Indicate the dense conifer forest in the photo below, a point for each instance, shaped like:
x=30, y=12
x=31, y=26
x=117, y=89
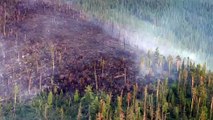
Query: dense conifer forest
x=73, y=70
x=183, y=26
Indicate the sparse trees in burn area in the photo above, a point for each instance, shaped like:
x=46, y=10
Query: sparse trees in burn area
x=108, y=87
x=160, y=100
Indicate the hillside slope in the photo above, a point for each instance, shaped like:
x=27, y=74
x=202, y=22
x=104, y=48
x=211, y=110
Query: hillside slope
x=56, y=65
x=46, y=44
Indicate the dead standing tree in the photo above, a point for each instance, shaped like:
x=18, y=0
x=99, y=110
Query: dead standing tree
x=96, y=77
x=5, y=19
x=52, y=51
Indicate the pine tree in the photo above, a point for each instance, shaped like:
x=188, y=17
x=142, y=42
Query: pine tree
x=176, y=112
x=179, y=80
x=170, y=62
x=135, y=91
x=137, y=110
x=76, y=96
x=50, y=98
x=178, y=62
x=120, y=114
x=142, y=63
x=62, y=113
x=89, y=95
x=203, y=115
x=96, y=77
x=149, y=59
x=16, y=92
x=157, y=56
x=90, y=117
x=79, y=116
x=99, y=116
x=129, y=97
x=144, y=106
x=103, y=110
x=130, y=113
x=108, y=106
x=211, y=109
x=94, y=106
x=157, y=113
x=194, y=93
x=151, y=107
x=185, y=76
x=103, y=62
x=46, y=111
x=209, y=80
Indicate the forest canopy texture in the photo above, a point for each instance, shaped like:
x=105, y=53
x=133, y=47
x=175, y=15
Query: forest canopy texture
x=57, y=63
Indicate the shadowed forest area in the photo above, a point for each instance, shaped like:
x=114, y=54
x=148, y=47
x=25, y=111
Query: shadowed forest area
x=58, y=65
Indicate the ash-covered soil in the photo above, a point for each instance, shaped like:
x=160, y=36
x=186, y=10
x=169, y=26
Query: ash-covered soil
x=52, y=46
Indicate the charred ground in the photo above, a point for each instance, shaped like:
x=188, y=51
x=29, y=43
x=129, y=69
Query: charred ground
x=49, y=45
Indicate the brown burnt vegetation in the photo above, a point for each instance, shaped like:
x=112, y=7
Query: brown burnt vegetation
x=45, y=47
